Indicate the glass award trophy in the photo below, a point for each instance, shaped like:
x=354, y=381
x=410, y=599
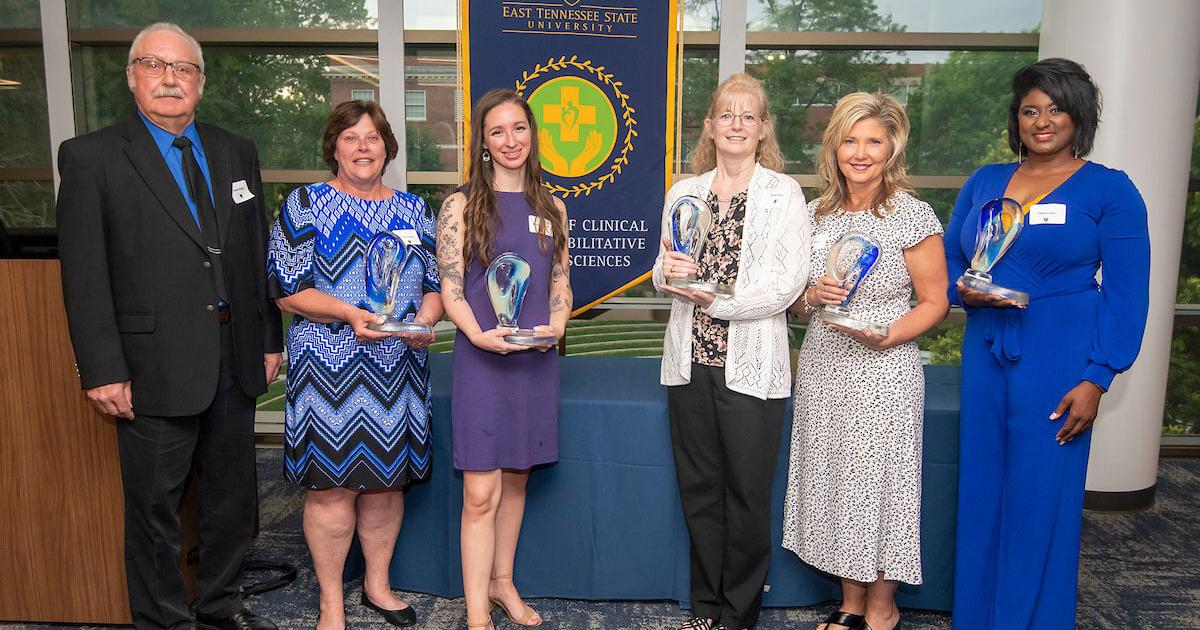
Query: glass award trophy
x=507, y=281
x=850, y=260
x=690, y=219
x=385, y=260
x=1000, y=223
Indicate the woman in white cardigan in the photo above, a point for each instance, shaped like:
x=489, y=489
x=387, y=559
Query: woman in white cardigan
x=725, y=358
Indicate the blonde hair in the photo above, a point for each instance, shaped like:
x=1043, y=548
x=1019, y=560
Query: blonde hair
x=851, y=109
x=704, y=154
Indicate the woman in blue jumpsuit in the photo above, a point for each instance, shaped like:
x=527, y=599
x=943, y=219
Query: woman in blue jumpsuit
x=1032, y=377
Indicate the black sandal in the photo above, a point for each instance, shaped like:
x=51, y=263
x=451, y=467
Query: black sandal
x=850, y=621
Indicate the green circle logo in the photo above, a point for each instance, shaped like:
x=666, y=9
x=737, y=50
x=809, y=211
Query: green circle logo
x=577, y=126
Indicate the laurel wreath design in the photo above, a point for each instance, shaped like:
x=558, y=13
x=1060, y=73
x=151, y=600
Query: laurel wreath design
x=627, y=112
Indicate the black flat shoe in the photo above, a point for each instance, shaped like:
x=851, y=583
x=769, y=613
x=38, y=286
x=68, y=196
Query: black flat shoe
x=846, y=620
x=402, y=618
x=240, y=620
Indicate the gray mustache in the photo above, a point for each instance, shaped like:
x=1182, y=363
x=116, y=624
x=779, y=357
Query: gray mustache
x=168, y=91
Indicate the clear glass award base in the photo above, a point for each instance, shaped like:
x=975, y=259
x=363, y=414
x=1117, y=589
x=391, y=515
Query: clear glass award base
x=842, y=317
x=982, y=281
x=693, y=284
x=393, y=325
x=529, y=337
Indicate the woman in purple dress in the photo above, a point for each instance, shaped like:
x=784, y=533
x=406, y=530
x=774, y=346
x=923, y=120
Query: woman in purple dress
x=504, y=399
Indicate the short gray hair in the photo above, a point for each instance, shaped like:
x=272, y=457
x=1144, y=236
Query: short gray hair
x=167, y=26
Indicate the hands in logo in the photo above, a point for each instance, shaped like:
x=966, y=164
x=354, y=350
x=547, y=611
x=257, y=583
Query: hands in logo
x=558, y=165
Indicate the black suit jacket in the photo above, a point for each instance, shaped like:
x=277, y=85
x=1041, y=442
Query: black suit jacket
x=137, y=282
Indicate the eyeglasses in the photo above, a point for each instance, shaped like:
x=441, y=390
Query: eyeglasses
x=749, y=120
x=154, y=67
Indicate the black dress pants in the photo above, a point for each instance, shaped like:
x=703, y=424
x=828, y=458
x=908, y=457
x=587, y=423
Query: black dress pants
x=156, y=456
x=726, y=447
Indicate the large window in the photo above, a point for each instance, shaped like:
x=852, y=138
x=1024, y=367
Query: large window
x=278, y=99
x=929, y=16
x=360, y=14
x=957, y=100
x=432, y=108
x=26, y=190
x=1182, y=413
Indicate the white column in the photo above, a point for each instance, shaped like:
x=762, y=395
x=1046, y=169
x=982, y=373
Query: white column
x=391, y=85
x=1145, y=56
x=56, y=53
x=732, y=54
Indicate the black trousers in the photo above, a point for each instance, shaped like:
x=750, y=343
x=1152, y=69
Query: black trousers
x=726, y=446
x=156, y=456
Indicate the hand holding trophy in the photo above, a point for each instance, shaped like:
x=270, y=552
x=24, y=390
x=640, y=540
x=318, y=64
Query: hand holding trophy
x=1000, y=223
x=386, y=259
x=507, y=281
x=850, y=260
x=690, y=220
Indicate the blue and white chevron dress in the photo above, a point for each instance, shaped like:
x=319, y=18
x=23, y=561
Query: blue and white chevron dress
x=357, y=413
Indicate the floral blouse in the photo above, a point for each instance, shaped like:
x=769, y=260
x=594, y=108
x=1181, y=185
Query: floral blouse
x=718, y=263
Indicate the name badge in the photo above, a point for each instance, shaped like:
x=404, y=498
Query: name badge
x=1048, y=214
x=545, y=227
x=241, y=192
x=407, y=236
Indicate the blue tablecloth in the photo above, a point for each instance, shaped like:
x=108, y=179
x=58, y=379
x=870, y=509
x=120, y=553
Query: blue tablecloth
x=605, y=523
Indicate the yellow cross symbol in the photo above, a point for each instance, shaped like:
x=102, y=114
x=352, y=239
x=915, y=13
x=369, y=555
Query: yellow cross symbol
x=569, y=114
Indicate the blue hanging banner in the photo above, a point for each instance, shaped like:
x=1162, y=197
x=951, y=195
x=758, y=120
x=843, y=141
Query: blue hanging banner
x=600, y=76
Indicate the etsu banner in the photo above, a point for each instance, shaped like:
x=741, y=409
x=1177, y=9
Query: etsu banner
x=600, y=77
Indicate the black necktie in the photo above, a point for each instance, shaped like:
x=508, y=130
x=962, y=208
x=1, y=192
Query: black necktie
x=204, y=210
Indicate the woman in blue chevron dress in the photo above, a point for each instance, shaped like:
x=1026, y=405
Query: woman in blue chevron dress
x=358, y=401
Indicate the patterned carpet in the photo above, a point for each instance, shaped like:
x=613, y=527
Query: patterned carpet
x=1139, y=570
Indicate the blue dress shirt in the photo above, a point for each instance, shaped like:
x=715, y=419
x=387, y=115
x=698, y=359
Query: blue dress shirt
x=174, y=159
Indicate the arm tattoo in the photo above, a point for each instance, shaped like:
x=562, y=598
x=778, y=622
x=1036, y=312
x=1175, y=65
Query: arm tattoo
x=558, y=272
x=449, y=253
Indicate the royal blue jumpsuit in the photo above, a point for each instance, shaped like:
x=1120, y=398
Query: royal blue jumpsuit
x=1020, y=494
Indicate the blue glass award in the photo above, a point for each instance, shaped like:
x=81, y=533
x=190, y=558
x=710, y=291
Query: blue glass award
x=1000, y=223
x=850, y=260
x=507, y=281
x=386, y=259
x=690, y=219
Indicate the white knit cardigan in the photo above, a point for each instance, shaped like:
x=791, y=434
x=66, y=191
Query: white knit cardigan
x=772, y=271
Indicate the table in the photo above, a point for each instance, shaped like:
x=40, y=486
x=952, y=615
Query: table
x=604, y=523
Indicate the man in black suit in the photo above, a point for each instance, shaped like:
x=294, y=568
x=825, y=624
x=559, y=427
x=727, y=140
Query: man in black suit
x=162, y=236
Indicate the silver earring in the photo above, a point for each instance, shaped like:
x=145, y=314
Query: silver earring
x=1020, y=154
x=1076, y=153
x=487, y=156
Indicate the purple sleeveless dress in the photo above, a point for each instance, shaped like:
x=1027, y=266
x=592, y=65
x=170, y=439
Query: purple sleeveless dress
x=504, y=408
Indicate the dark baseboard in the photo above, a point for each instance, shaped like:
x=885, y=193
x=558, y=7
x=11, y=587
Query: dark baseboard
x=1179, y=450
x=1131, y=501
x=268, y=439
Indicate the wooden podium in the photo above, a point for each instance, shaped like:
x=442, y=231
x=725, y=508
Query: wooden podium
x=61, y=550
x=60, y=481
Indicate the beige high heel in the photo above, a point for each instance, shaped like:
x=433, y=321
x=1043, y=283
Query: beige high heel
x=526, y=619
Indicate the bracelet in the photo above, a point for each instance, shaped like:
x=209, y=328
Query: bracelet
x=808, y=306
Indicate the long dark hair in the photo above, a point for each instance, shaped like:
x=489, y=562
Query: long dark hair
x=481, y=214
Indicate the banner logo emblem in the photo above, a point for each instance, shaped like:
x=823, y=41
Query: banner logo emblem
x=581, y=122
x=577, y=126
